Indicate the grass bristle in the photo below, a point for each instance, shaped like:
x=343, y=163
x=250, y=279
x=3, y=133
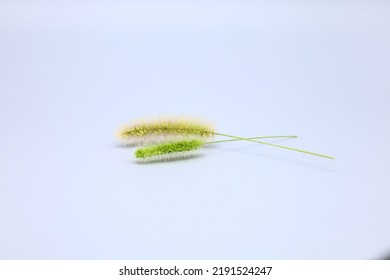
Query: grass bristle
x=169, y=150
x=165, y=129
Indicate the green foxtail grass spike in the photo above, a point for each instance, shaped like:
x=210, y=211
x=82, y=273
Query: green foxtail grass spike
x=169, y=151
x=179, y=149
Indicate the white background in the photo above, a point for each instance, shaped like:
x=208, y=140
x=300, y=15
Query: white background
x=110, y=269
x=73, y=72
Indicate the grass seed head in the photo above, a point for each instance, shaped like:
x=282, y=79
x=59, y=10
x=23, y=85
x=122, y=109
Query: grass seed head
x=169, y=151
x=165, y=129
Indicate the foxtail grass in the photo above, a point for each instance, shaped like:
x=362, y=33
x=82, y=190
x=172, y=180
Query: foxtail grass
x=174, y=137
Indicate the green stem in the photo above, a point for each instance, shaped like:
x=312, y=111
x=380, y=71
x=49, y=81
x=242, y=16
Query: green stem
x=259, y=137
x=274, y=145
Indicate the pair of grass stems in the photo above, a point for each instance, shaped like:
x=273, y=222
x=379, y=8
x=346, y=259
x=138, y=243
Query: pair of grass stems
x=177, y=138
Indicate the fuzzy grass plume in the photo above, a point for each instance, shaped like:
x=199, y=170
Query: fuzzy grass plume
x=165, y=129
x=179, y=149
x=169, y=150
